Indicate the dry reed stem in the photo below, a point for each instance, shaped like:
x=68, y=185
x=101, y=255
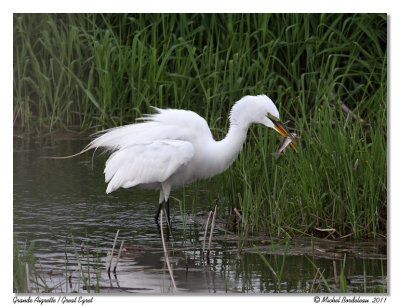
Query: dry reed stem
x=238, y=214
x=314, y=280
x=211, y=232
x=166, y=254
x=335, y=273
x=205, y=232
x=349, y=112
x=331, y=231
x=119, y=255
x=112, y=252
x=27, y=282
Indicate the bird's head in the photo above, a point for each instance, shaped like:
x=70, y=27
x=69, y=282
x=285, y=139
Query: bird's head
x=260, y=109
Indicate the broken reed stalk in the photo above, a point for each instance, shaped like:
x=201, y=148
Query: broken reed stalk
x=238, y=214
x=166, y=253
x=205, y=233
x=28, y=287
x=348, y=111
x=211, y=233
x=335, y=273
x=119, y=255
x=112, y=252
x=351, y=113
x=314, y=280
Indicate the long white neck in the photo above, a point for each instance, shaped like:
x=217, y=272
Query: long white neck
x=248, y=110
x=225, y=151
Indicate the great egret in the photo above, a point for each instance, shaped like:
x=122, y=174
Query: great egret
x=175, y=147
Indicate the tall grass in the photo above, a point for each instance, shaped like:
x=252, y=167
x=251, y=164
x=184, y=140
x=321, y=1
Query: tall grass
x=22, y=259
x=93, y=71
x=26, y=278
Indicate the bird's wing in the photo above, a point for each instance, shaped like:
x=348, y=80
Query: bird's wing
x=170, y=124
x=147, y=162
x=127, y=135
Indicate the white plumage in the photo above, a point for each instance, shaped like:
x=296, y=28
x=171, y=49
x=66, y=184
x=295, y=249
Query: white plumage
x=143, y=163
x=175, y=147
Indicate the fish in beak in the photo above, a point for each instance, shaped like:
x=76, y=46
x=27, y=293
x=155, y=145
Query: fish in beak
x=283, y=130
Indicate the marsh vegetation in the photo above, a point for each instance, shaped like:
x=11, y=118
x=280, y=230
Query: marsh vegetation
x=327, y=74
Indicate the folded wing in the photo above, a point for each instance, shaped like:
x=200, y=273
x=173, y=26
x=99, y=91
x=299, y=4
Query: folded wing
x=146, y=162
x=150, y=151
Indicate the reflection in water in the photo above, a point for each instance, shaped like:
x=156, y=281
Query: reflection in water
x=60, y=203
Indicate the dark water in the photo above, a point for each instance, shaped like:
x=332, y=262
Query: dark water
x=58, y=204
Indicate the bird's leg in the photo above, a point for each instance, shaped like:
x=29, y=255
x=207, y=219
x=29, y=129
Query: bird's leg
x=158, y=212
x=167, y=207
x=164, y=193
x=160, y=203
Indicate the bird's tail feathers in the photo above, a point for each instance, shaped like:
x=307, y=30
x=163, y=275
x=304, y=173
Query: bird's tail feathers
x=89, y=147
x=85, y=149
x=118, y=137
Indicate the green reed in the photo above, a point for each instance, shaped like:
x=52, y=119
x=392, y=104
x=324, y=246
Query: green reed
x=21, y=259
x=26, y=277
x=92, y=71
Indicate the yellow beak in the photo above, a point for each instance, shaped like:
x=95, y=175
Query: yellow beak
x=282, y=129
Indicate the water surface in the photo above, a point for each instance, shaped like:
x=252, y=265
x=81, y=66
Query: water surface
x=60, y=204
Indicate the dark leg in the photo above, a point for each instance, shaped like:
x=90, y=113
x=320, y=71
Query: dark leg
x=169, y=220
x=158, y=212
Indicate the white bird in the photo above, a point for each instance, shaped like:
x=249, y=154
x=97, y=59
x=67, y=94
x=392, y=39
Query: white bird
x=175, y=147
